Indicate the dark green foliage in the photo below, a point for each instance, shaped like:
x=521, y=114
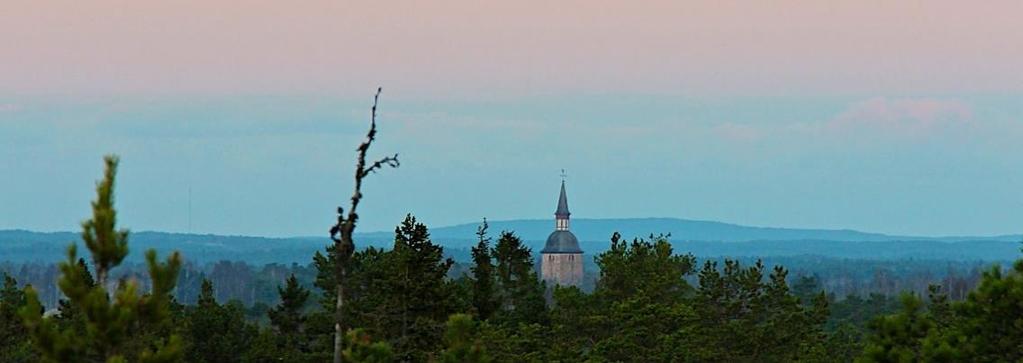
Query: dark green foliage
x=899, y=337
x=107, y=244
x=520, y=291
x=519, y=343
x=287, y=340
x=649, y=269
x=746, y=316
x=69, y=316
x=844, y=343
x=986, y=327
x=416, y=290
x=990, y=325
x=639, y=307
x=858, y=312
x=402, y=296
x=287, y=317
x=265, y=349
x=215, y=332
x=462, y=342
x=484, y=299
x=15, y=347
x=360, y=348
x=326, y=281
x=118, y=327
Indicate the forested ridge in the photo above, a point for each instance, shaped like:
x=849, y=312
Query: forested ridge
x=405, y=306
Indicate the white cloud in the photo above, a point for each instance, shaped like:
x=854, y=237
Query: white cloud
x=902, y=117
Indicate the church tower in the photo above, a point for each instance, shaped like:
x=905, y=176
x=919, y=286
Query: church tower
x=562, y=259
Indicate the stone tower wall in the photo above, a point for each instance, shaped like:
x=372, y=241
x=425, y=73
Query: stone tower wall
x=562, y=269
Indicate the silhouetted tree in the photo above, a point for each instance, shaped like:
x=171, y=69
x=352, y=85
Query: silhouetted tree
x=484, y=300
x=520, y=290
x=341, y=232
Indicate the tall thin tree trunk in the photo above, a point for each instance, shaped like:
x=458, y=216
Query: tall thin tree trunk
x=338, y=333
x=341, y=233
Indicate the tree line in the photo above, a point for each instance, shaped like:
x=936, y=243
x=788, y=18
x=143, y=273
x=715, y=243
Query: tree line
x=255, y=286
x=404, y=306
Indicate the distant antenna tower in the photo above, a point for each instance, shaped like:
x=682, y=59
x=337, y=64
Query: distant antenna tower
x=189, y=209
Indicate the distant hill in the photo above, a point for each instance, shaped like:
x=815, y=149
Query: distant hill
x=703, y=238
x=680, y=230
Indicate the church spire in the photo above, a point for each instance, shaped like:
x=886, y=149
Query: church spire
x=561, y=215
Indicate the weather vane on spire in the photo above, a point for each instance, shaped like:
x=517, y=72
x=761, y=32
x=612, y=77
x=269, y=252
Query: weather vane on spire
x=563, y=175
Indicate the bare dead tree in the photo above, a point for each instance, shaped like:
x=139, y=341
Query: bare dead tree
x=341, y=233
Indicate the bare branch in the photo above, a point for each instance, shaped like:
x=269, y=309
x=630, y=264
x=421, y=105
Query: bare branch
x=391, y=161
x=341, y=233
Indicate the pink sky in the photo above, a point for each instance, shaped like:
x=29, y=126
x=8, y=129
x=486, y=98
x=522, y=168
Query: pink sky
x=458, y=49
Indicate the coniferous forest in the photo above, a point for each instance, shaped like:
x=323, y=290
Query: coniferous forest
x=650, y=303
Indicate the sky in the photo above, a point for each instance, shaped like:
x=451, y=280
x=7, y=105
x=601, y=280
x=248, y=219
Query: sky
x=242, y=117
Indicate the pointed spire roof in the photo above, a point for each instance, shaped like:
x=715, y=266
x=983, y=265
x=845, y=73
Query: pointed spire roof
x=562, y=203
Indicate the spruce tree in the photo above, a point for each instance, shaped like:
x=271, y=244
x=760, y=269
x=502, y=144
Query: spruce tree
x=287, y=317
x=288, y=321
x=111, y=318
x=421, y=291
x=521, y=292
x=483, y=299
x=216, y=333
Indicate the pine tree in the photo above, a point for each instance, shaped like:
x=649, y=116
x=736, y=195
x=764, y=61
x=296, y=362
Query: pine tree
x=287, y=317
x=463, y=344
x=111, y=321
x=207, y=296
x=644, y=267
x=360, y=348
x=989, y=323
x=637, y=309
x=216, y=333
x=289, y=320
x=483, y=299
x=15, y=346
x=68, y=314
x=421, y=291
x=521, y=292
x=899, y=337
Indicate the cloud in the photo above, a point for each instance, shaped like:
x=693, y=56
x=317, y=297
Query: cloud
x=730, y=131
x=911, y=118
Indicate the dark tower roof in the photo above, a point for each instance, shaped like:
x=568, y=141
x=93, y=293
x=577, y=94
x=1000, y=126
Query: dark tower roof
x=562, y=240
x=562, y=211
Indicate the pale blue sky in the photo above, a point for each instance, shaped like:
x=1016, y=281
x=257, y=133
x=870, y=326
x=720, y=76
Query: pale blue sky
x=278, y=165
x=886, y=116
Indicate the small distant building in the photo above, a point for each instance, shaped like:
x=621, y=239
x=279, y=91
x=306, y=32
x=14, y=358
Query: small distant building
x=562, y=259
